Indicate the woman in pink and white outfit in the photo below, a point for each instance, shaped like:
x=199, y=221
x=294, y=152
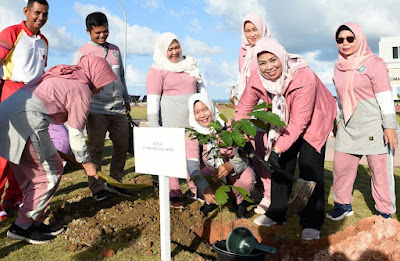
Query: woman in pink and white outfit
x=171, y=80
x=366, y=123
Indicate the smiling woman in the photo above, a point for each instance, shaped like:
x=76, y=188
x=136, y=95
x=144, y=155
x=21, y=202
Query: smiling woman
x=171, y=80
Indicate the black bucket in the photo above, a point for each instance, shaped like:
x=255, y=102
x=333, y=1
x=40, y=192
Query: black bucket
x=224, y=255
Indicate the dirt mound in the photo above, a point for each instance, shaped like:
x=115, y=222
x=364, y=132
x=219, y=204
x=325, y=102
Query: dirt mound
x=135, y=223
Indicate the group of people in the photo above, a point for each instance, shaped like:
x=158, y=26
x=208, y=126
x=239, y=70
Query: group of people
x=92, y=94
x=363, y=115
x=36, y=104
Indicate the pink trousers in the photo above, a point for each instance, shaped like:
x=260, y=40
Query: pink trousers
x=382, y=182
x=38, y=181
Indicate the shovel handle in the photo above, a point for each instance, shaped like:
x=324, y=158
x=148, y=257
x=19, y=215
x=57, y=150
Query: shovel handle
x=283, y=172
x=264, y=248
x=70, y=159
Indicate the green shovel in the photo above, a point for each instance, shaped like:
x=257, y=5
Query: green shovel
x=242, y=241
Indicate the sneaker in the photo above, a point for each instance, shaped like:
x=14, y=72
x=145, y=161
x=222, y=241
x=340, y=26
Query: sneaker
x=340, y=211
x=207, y=208
x=50, y=230
x=176, y=202
x=101, y=195
x=310, y=234
x=119, y=191
x=265, y=221
x=263, y=206
x=241, y=210
x=31, y=235
x=3, y=214
x=385, y=215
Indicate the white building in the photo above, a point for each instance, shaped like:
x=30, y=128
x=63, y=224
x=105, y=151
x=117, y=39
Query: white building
x=389, y=50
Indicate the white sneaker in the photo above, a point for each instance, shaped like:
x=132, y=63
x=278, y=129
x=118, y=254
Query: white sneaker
x=263, y=220
x=310, y=234
x=263, y=206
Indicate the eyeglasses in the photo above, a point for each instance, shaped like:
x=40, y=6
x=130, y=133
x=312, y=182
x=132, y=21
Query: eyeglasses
x=349, y=39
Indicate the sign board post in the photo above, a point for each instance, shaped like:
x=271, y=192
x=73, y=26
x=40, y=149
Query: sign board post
x=161, y=151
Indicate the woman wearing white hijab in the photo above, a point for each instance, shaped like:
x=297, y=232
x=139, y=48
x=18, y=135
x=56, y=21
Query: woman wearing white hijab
x=231, y=167
x=171, y=80
x=308, y=108
x=253, y=29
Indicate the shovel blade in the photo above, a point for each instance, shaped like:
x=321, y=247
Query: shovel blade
x=301, y=193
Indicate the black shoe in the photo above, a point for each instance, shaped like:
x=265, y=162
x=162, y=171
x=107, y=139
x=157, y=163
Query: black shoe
x=31, y=234
x=119, y=191
x=241, y=210
x=50, y=230
x=101, y=195
x=207, y=208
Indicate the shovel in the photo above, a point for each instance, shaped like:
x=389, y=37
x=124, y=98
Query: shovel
x=103, y=176
x=242, y=241
x=302, y=189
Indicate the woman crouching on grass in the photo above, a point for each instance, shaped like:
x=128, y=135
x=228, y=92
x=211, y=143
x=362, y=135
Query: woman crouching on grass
x=60, y=94
x=203, y=161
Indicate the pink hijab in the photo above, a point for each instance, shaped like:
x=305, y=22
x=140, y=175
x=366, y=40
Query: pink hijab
x=290, y=64
x=91, y=70
x=349, y=65
x=258, y=21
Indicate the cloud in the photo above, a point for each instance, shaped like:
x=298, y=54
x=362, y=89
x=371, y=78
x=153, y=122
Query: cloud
x=199, y=48
x=135, y=77
x=194, y=26
x=11, y=12
x=303, y=26
x=141, y=39
x=324, y=69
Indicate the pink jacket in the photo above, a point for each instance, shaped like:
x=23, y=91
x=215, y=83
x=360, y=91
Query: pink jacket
x=311, y=108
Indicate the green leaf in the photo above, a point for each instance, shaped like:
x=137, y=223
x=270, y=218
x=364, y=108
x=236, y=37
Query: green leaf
x=245, y=194
x=248, y=128
x=227, y=138
x=268, y=116
x=260, y=124
x=260, y=106
x=223, y=117
x=234, y=124
x=221, y=195
x=217, y=126
x=238, y=137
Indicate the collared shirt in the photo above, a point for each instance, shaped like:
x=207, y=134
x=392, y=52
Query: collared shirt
x=25, y=53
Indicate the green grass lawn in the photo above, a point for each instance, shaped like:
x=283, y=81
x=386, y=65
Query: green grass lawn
x=73, y=186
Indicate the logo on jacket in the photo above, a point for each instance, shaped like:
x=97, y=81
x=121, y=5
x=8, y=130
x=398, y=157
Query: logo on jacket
x=115, y=54
x=362, y=69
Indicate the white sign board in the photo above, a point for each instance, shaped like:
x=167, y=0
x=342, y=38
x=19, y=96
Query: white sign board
x=160, y=151
x=394, y=74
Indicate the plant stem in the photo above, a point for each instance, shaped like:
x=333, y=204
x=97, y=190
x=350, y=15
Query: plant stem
x=220, y=215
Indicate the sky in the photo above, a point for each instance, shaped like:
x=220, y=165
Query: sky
x=210, y=31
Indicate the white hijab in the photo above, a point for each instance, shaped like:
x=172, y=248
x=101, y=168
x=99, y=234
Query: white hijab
x=161, y=61
x=210, y=105
x=290, y=64
x=213, y=159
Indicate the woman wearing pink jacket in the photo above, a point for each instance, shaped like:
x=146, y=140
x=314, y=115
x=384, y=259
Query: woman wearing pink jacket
x=366, y=123
x=62, y=93
x=308, y=108
x=253, y=29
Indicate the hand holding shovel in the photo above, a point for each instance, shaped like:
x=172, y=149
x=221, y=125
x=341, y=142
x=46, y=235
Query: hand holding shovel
x=302, y=189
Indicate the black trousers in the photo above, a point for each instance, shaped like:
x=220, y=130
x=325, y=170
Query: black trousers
x=311, y=167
